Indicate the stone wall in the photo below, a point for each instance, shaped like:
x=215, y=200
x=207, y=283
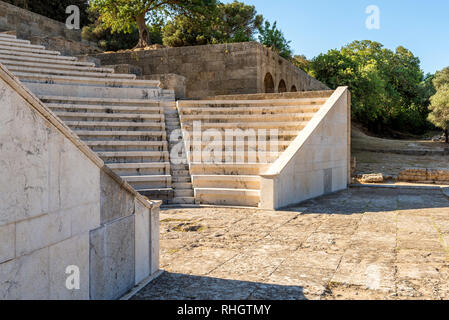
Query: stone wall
x=43, y=31
x=238, y=68
x=60, y=207
x=317, y=162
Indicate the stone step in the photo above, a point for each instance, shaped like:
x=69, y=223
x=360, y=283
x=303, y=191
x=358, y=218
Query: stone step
x=183, y=193
x=89, y=135
x=148, y=181
x=247, y=125
x=109, y=126
x=165, y=194
x=86, y=116
x=55, y=62
x=144, y=168
x=132, y=156
x=217, y=118
x=237, y=156
x=10, y=64
x=182, y=185
x=182, y=173
x=181, y=179
x=9, y=51
x=72, y=73
x=105, y=80
x=105, y=146
x=228, y=141
x=229, y=197
x=279, y=135
x=13, y=40
x=251, y=110
x=106, y=108
x=92, y=90
x=183, y=200
x=27, y=50
x=20, y=45
x=7, y=35
x=226, y=181
x=100, y=101
x=251, y=103
x=228, y=168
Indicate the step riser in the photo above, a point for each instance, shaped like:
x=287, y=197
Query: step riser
x=115, y=128
x=71, y=73
x=143, y=171
x=13, y=65
x=18, y=54
x=25, y=51
x=20, y=45
x=119, y=138
x=149, y=185
x=55, y=62
x=74, y=117
x=230, y=200
x=127, y=148
x=116, y=110
x=87, y=91
x=244, y=110
x=255, y=185
x=246, y=158
x=133, y=159
x=225, y=171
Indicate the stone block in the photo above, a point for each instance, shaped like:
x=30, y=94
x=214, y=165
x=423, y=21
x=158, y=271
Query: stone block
x=71, y=252
x=116, y=202
x=40, y=232
x=154, y=240
x=7, y=242
x=84, y=218
x=112, y=259
x=142, y=247
x=26, y=278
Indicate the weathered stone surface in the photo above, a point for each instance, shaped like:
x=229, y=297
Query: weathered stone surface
x=40, y=232
x=72, y=252
x=7, y=242
x=372, y=178
x=26, y=277
x=112, y=259
x=355, y=244
x=223, y=69
x=116, y=202
x=142, y=240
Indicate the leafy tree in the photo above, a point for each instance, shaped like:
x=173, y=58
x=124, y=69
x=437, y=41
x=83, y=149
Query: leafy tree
x=54, y=9
x=124, y=15
x=388, y=87
x=439, y=106
x=302, y=62
x=231, y=22
x=113, y=41
x=271, y=36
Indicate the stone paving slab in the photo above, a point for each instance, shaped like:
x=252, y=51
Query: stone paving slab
x=356, y=244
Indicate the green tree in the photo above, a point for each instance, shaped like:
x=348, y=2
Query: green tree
x=301, y=62
x=271, y=36
x=388, y=87
x=439, y=106
x=231, y=22
x=124, y=15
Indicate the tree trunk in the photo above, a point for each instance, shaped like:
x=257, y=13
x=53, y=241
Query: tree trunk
x=446, y=135
x=144, y=34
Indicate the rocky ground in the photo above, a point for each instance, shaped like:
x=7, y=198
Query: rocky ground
x=376, y=155
x=362, y=243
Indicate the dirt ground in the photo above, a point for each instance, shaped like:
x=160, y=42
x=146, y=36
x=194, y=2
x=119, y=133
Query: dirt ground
x=362, y=243
x=376, y=155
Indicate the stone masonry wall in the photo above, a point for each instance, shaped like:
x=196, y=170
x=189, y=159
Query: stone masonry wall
x=60, y=207
x=238, y=68
x=41, y=30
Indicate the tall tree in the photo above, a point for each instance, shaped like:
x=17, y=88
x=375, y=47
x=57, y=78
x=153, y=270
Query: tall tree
x=439, y=107
x=229, y=22
x=271, y=36
x=123, y=15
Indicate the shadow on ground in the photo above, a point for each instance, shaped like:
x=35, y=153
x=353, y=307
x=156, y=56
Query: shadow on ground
x=175, y=286
x=362, y=200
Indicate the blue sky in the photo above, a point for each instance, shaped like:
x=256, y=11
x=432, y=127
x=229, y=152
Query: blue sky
x=315, y=26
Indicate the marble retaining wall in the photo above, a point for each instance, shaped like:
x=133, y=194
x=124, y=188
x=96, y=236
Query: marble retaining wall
x=61, y=207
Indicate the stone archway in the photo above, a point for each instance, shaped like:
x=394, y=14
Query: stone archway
x=269, y=83
x=282, y=87
x=294, y=89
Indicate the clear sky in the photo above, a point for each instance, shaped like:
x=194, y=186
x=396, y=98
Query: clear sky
x=315, y=26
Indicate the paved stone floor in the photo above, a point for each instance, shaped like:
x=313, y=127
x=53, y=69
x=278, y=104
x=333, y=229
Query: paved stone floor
x=356, y=244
